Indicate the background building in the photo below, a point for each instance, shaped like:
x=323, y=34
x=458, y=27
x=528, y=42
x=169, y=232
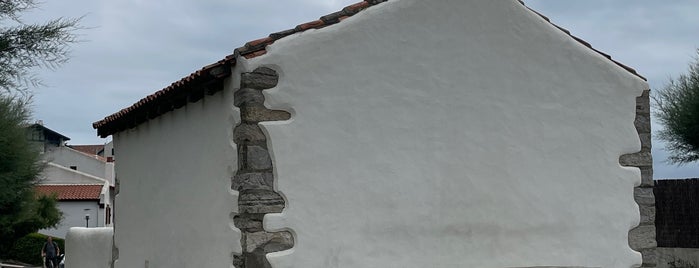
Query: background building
x=81, y=177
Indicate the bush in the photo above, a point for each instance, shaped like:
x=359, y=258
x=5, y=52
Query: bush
x=28, y=248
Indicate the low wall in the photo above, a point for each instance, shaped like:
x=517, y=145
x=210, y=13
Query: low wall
x=89, y=247
x=678, y=257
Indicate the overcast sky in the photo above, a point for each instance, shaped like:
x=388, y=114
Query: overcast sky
x=132, y=48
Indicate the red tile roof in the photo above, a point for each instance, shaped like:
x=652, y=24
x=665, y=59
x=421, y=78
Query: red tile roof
x=209, y=79
x=92, y=149
x=71, y=191
x=87, y=152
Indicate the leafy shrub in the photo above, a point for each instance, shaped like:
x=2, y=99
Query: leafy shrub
x=28, y=248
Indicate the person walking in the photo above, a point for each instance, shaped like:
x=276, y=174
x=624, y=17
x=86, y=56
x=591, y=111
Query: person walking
x=50, y=252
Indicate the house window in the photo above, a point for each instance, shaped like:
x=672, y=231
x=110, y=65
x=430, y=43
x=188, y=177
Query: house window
x=74, y=167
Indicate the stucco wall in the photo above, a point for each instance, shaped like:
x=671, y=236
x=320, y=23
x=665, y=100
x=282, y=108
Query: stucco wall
x=57, y=174
x=174, y=202
x=74, y=216
x=67, y=157
x=89, y=247
x=451, y=133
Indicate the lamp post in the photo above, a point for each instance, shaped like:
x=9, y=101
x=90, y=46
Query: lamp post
x=87, y=220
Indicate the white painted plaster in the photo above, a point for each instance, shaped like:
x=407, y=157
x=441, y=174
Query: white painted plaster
x=109, y=149
x=109, y=172
x=67, y=157
x=451, y=133
x=74, y=216
x=58, y=174
x=174, y=205
x=89, y=247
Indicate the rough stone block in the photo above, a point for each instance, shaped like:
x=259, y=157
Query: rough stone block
x=258, y=113
x=249, y=222
x=248, y=96
x=257, y=180
x=647, y=176
x=248, y=133
x=260, y=201
x=645, y=141
x=238, y=261
x=642, y=123
x=265, y=71
x=257, y=259
x=257, y=158
x=258, y=80
x=642, y=237
x=267, y=241
x=647, y=214
x=644, y=196
x=650, y=257
x=643, y=103
x=640, y=159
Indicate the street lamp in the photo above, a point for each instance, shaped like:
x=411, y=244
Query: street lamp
x=87, y=220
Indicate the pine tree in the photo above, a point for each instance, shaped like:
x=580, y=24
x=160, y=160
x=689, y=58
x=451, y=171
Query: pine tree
x=24, y=46
x=677, y=108
x=21, y=210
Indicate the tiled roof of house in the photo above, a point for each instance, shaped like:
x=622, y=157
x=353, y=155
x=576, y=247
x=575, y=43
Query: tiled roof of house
x=71, y=191
x=88, y=151
x=208, y=80
x=92, y=149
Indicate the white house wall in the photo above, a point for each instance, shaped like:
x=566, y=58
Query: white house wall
x=174, y=203
x=57, y=174
x=446, y=133
x=68, y=157
x=74, y=216
x=89, y=247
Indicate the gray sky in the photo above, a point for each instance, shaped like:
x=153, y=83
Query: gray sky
x=133, y=48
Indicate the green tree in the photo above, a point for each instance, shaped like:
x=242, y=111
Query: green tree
x=24, y=46
x=677, y=108
x=21, y=210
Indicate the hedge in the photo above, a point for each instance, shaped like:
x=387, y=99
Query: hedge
x=28, y=249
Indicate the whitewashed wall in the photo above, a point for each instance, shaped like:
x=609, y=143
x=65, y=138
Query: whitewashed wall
x=450, y=133
x=74, y=216
x=57, y=174
x=174, y=205
x=67, y=157
x=89, y=247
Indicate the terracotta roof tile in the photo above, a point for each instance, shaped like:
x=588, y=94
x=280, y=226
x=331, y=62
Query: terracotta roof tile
x=256, y=54
x=92, y=149
x=209, y=79
x=310, y=25
x=356, y=7
x=71, y=191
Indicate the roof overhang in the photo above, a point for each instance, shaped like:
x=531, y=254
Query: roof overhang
x=209, y=79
